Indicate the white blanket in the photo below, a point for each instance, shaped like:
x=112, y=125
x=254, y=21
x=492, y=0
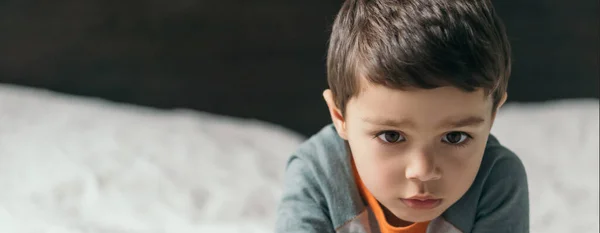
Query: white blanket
x=73, y=164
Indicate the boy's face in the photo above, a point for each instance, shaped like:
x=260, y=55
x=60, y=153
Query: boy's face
x=416, y=151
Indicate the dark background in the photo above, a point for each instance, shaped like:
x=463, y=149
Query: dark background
x=253, y=59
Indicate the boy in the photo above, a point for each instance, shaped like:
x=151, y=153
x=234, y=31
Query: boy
x=414, y=89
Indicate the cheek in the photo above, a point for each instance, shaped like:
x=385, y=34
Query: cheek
x=460, y=169
x=367, y=163
x=377, y=171
x=461, y=160
x=379, y=178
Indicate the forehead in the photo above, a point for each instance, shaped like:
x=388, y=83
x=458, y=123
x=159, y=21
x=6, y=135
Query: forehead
x=375, y=101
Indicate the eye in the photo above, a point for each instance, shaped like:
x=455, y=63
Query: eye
x=455, y=137
x=390, y=136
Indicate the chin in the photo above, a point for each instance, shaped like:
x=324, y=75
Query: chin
x=411, y=215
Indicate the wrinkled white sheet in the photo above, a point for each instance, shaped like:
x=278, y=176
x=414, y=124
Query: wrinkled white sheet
x=558, y=143
x=72, y=164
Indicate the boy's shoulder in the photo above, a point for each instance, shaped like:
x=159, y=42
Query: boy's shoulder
x=327, y=170
x=325, y=155
x=322, y=148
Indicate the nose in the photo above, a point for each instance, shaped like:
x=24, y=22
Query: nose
x=421, y=166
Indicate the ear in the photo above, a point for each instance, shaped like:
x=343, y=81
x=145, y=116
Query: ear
x=502, y=101
x=336, y=115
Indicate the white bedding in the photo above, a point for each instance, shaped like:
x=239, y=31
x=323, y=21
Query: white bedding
x=73, y=164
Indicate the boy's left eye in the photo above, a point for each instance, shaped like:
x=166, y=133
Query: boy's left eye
x=455, y=137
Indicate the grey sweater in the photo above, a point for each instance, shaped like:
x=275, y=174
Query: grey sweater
x=321, y=196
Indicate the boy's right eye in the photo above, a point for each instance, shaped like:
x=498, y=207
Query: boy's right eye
x=390, y=136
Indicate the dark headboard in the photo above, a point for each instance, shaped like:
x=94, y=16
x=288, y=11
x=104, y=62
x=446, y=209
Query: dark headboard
x=253, y=59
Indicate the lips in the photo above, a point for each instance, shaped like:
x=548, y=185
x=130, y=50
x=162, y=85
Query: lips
x=422, y=202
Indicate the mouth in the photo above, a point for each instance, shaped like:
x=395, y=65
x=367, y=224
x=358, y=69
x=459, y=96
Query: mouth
x=423, y=202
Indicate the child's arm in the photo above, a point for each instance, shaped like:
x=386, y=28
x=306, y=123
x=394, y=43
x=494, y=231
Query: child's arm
x=299, y=210
x=504, y=204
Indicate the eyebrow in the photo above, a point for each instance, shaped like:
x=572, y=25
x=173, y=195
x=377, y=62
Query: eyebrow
x=388, y=122
x=462, y=122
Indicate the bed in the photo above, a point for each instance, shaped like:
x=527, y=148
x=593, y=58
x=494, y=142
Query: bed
x=79, y=164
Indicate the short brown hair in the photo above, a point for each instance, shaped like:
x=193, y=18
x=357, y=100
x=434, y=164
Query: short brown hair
x=419, y=44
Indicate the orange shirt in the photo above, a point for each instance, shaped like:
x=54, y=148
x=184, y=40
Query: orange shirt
x=384, y=226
